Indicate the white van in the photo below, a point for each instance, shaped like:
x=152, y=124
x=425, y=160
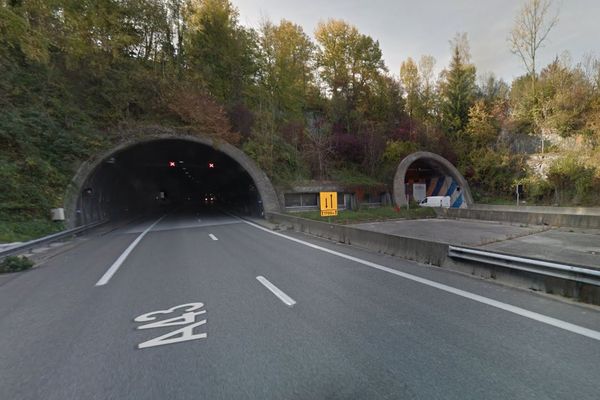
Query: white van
x=436, y=201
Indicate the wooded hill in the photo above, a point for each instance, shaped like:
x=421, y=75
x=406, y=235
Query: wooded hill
x=78, y=75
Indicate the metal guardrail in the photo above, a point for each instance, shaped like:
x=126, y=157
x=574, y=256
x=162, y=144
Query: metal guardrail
x=18, y=249
x=542, y=267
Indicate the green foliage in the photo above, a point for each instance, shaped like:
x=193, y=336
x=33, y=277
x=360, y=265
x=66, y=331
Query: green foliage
x=353, y=176
x=537, y=190
x=286, y=73
x=493, y=172
x=482, y=129
x=458, y=94
x=573, y=180
x=15, y=264
x=279, y=158
x=563, y=99
x=20, y=227
x=221, y=51
x=350, y=64
x=395, y=151
x=72, y=73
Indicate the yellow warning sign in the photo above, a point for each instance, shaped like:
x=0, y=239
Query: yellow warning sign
x=328, y=204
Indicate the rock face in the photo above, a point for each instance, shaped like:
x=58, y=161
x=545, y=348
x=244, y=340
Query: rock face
x=540, y=163
x=554, y=147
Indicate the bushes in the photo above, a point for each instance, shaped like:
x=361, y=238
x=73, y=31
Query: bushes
x=394, y=153
x=15, y=264
x=573, y=181
x=537, y=190
x=493, y=172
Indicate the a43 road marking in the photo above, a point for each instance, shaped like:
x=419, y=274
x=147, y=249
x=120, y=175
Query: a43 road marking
x=187, y=314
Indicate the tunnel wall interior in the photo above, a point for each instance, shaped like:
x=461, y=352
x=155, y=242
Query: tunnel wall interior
x=438, y=175
x=437, y=182
x=162, y=175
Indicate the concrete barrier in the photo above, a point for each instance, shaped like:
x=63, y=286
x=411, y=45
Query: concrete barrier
x=434, y=253
x=540, y=209
x=423, y=251
x=523, y=217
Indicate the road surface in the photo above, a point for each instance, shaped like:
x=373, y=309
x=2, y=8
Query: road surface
x=231, y=311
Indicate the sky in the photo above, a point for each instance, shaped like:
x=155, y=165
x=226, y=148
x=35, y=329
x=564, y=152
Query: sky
x=411, y=28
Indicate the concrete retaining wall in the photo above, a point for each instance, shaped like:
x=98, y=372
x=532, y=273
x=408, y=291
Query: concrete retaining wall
x=434, y=253
x=524, y=217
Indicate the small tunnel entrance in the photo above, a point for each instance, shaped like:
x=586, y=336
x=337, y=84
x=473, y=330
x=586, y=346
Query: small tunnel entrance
x=425, y=174
x=168, y=174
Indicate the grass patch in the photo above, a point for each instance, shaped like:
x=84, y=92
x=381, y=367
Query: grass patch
x=369, y=214
x=15, y=264
x=496, y=201
x=354, y=177
x=20, y=231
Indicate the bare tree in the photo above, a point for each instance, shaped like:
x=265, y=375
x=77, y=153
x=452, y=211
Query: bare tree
x=532, y=26
x=460, y=42
x=319, y=146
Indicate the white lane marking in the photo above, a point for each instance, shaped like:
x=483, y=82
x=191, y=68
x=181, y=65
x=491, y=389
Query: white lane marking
x=213, y=237
x=276, y=291
x=580, y=330
x=113, y=268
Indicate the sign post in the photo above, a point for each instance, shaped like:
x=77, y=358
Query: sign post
x=328, y=204
x=519, y=191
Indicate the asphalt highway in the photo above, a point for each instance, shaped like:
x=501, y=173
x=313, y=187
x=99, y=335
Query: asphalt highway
x=204, y=305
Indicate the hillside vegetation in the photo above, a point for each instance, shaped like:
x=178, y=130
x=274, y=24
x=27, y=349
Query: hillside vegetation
x=78, y=76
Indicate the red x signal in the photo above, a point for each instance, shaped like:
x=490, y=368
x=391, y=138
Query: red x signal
x=211, y=165
x=172, y=164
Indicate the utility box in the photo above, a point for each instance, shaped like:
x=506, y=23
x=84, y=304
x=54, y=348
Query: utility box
x=57, y=214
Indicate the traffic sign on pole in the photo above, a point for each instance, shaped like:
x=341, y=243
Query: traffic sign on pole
x=328, y=204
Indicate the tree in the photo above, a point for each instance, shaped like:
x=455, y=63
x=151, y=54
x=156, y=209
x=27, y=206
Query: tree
x=531, y=29
x=426, y=67
x=458, y=91
x=319, y=148
x=286, y=74
x=564, y=97
x=218, y=50
x=201, y=114
x=350, y=63
x=411, y=82
x=482, y=129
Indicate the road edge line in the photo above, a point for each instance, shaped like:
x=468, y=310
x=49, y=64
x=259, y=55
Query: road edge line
x=577, y=329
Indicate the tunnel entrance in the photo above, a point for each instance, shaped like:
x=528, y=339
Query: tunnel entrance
x=427, y=174
x=168, y=173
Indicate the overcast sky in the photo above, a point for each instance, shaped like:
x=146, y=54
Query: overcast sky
x=411, y=28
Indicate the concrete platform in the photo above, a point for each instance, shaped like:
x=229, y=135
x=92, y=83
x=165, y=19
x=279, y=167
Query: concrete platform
x=563, y=245
x=574, y=246
x=450, y=231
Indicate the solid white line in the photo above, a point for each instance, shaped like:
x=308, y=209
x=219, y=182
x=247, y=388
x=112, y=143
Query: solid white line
x=580, y=330
x=113, y=268
x=213, y=237
x=276, y=291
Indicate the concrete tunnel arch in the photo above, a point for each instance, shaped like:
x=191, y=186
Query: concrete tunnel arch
x=436, y=161
x=87, y=169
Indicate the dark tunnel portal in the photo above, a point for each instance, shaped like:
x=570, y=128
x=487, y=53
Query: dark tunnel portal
x=164, y=175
